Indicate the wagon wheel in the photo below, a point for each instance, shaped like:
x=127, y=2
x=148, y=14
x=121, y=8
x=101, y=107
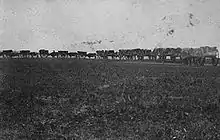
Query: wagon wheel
x=185, y=61
x=199, y=61
x=43, y=55
x=202, y=61
x=173, y=59
x=215, y=60
x=161, y=57
x=195, y=61
x=189, y=61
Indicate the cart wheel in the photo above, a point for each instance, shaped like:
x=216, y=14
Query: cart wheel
x=189, y=61
x=202, y=62
x=215, y=61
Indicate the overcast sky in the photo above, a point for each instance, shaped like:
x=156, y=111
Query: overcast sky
x=65, y=24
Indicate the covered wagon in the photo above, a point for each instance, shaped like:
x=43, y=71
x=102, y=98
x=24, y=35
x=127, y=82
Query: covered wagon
x=210, y=52
x=198, y=56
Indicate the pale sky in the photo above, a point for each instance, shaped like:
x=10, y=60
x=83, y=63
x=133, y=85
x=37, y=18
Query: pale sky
x=65, y=24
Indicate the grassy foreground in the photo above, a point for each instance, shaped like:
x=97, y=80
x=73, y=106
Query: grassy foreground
x=92, y=99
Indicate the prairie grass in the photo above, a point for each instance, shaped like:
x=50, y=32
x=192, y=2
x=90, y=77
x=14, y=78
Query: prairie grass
x=89, y=99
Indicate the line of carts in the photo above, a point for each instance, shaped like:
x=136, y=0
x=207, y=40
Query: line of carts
x=188, y=56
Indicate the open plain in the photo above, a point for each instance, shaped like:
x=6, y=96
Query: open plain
x=99, y=99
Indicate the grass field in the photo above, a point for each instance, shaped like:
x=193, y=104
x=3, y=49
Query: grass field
x=97, y=99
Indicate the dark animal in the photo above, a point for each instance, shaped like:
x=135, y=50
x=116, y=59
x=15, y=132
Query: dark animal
x=54, y=54
x=63, y=54
x=100, y=54
x=90, y=55
x=82, y=54
x=34, y=54
x=44, y=53
x=72, y=54
x=24, y=53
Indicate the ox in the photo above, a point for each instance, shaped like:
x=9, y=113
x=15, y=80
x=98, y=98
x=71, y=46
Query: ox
x=43, y=53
